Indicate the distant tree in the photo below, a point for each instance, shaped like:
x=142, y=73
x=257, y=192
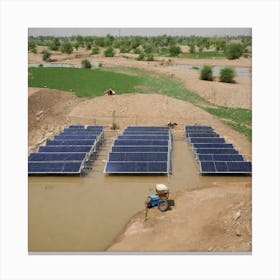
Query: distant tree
x=192, y=47
x=32, y=47
x=206, y=73
x=220, y=44
x=109, y=52
x=88, y=45
x=174, y=50
x=150, y=57
x=80, y=40
x=108, y=40
x=76, y=46
x=99, y=42
x=124, y=49
x=54, y=44
x=141, y=56
x=46, y=55
x=95, y=50
x=227, y=75
x=148, y=48
x=233, y=51
x=66, y=47
x=86, y=64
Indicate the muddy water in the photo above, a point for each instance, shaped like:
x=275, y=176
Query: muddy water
x=86, y=213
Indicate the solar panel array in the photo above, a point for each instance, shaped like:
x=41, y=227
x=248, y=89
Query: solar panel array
x=141, y=150
x=68, y=153
x=213, y=154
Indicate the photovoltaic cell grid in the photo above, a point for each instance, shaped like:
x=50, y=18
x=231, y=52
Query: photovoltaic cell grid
x=141, y=150
x=68, y=153
x=214, y=155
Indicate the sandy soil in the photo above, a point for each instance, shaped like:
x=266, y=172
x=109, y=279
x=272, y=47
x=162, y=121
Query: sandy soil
x=215, y=219
x=231, y=95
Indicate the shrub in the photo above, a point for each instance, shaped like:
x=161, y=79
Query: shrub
x=150, y=57
x=76, y=45
x=114, y=126
x=141, y=56
x=66, y=47
x=174, y=50
x=227, y=74
x=86, y=64
x=109, y=52
x=206, y=73
x=233, y=51
x=54, y=44
x=123, y=49
x=46, y=55
x=95, y=50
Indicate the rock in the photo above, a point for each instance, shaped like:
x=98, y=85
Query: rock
x=237, y=232
x=237, y=215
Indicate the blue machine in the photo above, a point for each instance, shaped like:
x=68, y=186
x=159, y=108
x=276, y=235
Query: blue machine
x=160, y=199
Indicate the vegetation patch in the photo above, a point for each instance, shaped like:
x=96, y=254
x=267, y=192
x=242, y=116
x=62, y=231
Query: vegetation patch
x=203, y=55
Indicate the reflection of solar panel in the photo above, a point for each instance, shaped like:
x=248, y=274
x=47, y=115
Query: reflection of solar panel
x=57, y=157
x=207, y=140
x=239, y=167
x=214, y=154
x=216, y=151
x=210, y=157
x=50, y=167
x=140, y=149
x=65, y=149
x=136, y=167
x=138, y=157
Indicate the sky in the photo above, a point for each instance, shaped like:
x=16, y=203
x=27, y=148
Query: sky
x=139, y=31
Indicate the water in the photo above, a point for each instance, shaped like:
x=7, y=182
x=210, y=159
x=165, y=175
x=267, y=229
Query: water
x=86, y=213
x=240, y=71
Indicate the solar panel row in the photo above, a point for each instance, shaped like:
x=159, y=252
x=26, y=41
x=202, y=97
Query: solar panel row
x=142, y=150
x=214, y=154
x=68, y=153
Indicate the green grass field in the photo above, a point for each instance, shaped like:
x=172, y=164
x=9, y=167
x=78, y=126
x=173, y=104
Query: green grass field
x=93, y=82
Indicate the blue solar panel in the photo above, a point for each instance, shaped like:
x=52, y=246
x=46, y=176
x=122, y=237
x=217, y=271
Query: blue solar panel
x=140, y=149
x=74, y=137
x=230, y=167
x=141, y=142
x=216, y=151
x=198, y=128
x=57, y=157
x=210, y=134
x=78, y=134
x=69, y=142
x=136, y=167
x=147, y=132
x=76, y=126
x=211, y=145
x=144, y=137
x=147, y=128
x=138, y=157
x=54, y=167
x=65, y=149
x=209, y=157
x=207, y=140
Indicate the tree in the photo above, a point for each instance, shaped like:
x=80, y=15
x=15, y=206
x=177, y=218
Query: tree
x=46, y=55
x=109, y=52
x=54, y=44
x=141, y=56
x=66, y=47
x=174, y=50
x=86, y=64
x=76, y=45
x=95, y=50
x=80, y=40
x=227, y=75
x=32, y=47
x=150, y=57
x=192, y=47
x=206, y=73
x=233, y=51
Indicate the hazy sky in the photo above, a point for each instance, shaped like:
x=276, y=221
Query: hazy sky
x=139, y=31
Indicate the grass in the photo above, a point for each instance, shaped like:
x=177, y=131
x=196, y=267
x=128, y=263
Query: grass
x=93, y=82
x=201, y=55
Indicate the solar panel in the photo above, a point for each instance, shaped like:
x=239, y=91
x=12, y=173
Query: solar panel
x=54, y=167
x=230, y=167
x=136, y=167
x=210, y=134
x=69, y=142
x=212, y=145
x=74, y=137
x=76, y=126
x=65, y=149
x=138, y=156
x=144, y=137
x=57, y=156
x=147, y=128
x=140, y=142
x=216, y=151
x=140, y=149
x=207, y=140
x=146, y=132
x=210, y=157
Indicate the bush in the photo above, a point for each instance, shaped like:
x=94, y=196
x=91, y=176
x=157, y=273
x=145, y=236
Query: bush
x=114, y=126
x=206, y=73
x=233, y=51
x=150, y=57
x=46, y=55
x=227, y=74
x=174, y=50
x=66, y=47
x=109, y=52
x=86, y=64
x=95, y=50
x=141, y=56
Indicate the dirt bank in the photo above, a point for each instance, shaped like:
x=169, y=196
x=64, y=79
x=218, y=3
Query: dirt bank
x=212, y=219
